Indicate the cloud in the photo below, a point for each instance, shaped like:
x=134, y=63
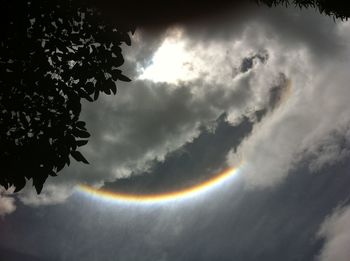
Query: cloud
x=335, y=231
x=333, y=148
x=314, y=109
x=193, y=163
x=249, y=62
x=53, y=194
x=149, y=119
x=7, y=203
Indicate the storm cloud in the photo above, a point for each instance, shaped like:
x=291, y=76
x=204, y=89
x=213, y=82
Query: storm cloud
x=267, y=87
x=233, y=68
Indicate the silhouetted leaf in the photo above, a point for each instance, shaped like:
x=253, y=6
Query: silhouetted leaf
x=39, y=180
x=87, y=97
x=80, y=124
x=126, y=38
x=60, y=164
x=97, y=92
x=124, y=78
x=53, y=174
x=115, y=74
x=78, y=156
x=89, y=87
x=81, y=142
x=110, y=86
x=19, y=184
x=81, y=133
x=114, y=88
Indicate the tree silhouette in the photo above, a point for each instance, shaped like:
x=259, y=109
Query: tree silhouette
x=334, y=8
x=53, y=54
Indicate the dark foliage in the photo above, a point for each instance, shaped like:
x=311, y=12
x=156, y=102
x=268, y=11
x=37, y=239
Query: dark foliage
x=53, y=54
x=335, y=8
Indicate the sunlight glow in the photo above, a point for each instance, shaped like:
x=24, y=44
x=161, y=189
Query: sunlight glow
x=171, y=63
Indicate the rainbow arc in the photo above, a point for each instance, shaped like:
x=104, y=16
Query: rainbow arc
x=181, y=194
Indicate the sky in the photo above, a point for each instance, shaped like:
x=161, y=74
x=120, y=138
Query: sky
x=232, y=142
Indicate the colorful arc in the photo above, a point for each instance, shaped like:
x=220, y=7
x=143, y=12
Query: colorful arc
x=163, y=197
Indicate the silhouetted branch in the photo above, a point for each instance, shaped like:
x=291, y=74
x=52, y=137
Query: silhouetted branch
x=335, y=8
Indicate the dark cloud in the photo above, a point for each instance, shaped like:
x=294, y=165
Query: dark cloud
x=192, y=164
x=157, y=15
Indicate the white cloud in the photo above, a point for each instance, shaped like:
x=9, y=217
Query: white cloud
x=335, y=230
x=316, y=108
x=51, y=194
x=7, y=203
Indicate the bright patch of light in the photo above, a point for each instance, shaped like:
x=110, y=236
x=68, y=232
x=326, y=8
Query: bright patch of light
x=171, y=63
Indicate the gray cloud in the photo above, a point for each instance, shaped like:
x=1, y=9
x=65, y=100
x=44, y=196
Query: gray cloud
x=7, y=202
x=193, y=163
x=334, y=148
x=7, y=205
x=291, y=27
x=336, y=232
x=287, y=118
x=148, y=120
x=313, y=109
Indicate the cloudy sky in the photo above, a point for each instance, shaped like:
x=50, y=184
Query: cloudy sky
x=264, y=94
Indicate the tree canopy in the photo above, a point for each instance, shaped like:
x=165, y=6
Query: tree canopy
x=53, y=54
x=334, y=8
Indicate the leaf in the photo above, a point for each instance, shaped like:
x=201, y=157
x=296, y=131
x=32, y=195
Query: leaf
x=60, y=164
x=81, y=133
x=39, y=180
x=87, y=97
x=124, y=78
x=71, y=142
x=115, y=74
x=97, y=92
x=39, y=187
x=81, y=142
x=118, y=60
x=89, y=87
x=4, y=184
x=80, y=124
x=110, y=86
x=67, y=160
x=78, y=156
x=126, y=38
x=19, y=183
x=114, y=89
x=53, y=174
x=107, y=91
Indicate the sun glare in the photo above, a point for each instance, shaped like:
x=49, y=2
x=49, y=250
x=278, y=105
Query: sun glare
x=171, y=63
